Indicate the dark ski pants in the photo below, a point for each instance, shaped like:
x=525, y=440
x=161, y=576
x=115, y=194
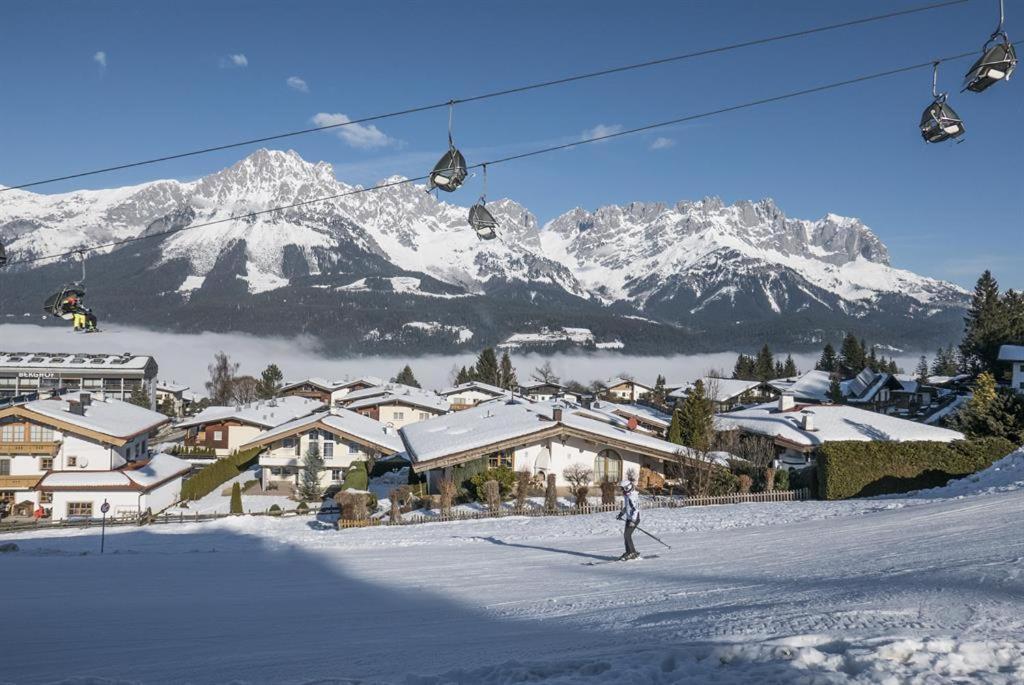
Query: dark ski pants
x=628, y=536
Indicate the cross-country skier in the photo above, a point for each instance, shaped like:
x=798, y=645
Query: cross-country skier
x=631, y=514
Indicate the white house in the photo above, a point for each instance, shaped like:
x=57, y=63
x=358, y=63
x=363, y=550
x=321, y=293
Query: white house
x=466, y=395
x=727, y=393
x=326, y=391
x=223, y=430
x=68, y=433
x=627, y=390
x=648, y=419
x=179, y=397
x=342, y=436
x=135, y=488
x=544, y=391
x=798, y=430
x=542, y=438
x=810, y=386
x=396, y=404
x=1014, y=354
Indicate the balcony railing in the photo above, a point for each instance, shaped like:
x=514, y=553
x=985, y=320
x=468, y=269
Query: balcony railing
x=47, y=448
x=18, y=481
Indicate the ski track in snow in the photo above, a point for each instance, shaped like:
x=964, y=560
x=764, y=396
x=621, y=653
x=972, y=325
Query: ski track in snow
x=903, y=590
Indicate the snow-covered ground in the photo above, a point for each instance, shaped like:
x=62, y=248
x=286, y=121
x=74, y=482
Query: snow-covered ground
x=922, y=589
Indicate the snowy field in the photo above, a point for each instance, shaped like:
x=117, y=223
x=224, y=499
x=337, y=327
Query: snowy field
x=920, y=589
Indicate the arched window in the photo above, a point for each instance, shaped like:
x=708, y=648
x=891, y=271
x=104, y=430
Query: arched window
x=608, y=466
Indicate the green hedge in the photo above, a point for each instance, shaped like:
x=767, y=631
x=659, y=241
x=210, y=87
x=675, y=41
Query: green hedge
x=862, y=469
x=356, y=477
x=211, y=477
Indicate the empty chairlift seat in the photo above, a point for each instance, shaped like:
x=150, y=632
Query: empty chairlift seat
x=483, y=222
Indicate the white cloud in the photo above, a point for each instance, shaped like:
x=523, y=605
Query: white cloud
x=601, y=130
x=356, y=135
x=101, y=59
x=662, y=143
x=298, y=84
x=236, y=60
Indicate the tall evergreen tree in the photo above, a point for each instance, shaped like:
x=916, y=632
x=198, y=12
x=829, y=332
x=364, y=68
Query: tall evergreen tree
x=406, y=377
x=139, y=396
x=985, y=327
x=509, y=381
x=696, y=420
x=780, y=369
x=764, y=364
x=486, y=369
x=744, y=368
x=835, y=390
x=873, y=362
x=463, y=376
x=789, y=368
x=312, y=464
x=828, y=361
x=852, y=358
x=658, y=394
x=921, y=373
x=270, y=382
x=675, y=428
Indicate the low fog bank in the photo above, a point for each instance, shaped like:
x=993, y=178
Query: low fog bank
x=183, y=358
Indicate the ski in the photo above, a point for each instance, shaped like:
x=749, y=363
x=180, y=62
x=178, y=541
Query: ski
x=613, y=561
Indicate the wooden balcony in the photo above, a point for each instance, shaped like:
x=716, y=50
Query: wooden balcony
x=7, y=482
x=46, y=448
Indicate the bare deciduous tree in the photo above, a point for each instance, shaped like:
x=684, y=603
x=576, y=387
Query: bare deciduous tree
x=579, y=477
x=523, y=480
x=493, y=492
x=446, y=490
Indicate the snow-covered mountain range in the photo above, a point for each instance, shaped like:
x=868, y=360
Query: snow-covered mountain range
x=403, y=270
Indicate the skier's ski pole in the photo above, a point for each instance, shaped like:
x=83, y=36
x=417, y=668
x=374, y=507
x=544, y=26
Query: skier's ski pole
x=652, y=536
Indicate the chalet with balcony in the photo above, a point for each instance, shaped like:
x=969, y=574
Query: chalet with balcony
x=396, y=404
x=626, y=390
x=470, y=394
x=220, y=431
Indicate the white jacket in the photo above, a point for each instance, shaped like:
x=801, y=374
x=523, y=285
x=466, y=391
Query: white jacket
x=631, y=506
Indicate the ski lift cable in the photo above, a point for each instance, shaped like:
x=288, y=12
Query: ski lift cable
x=524, y=155
x=494, y=94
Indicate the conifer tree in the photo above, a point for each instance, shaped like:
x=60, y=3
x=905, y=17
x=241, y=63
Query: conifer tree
x=696, y=421
x=139, y=396
x=985, y=326
x=658, y=394
x=270, y=382
x=873, y=362
x=744, y=368
x=789, y=368
x=780, y=370
x=835, y=390
x=828, y=360
x=486, y=369
x=764, y=365
x=463, y=376
x=509, y=381
x=675, y=428
x=406, y=377
x=312, y=464
x=852, y=359
x=921, y=373
x=236, y=499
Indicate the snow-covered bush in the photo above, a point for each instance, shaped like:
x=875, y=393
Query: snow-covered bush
x=523, y=481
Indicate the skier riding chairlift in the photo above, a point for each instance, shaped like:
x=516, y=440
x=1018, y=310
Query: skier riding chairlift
x=67, y=304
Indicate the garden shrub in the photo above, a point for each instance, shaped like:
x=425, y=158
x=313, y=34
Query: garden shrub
x=356, y=477
x=781, y=479
x=274, y=510
x=505, y=477
x=551, y=494
x=303, y=508
x=236, y=499
x=607, y=493
x=861, y=469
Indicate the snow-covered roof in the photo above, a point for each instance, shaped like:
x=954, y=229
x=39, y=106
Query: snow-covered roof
x=396, y=393
x=108, y=416
x=831, y=422
x=626, y=381
x=141, y=476
x=723, y=389
x=497, y=422
x=343, y=421
x=171, y=386
x=1011, y=353
x=527, y=387
x=265, y=413
x=316, y=381
x=331, y=386
x=641, y=412
x=811, y=385
x=865, y=387
x=65, y=361
x=485, y=388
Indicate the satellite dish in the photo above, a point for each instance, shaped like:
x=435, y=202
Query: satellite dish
x=82, y=462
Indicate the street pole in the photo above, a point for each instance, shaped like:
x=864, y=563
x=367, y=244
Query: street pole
x=104, y=508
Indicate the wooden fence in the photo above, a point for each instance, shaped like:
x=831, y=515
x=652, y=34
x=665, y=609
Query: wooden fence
x=653, y=502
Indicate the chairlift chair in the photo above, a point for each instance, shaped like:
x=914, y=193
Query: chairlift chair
x=59, y=304
x=450, y=171
x=939, y=121
x=996, y=62
x=480, y=218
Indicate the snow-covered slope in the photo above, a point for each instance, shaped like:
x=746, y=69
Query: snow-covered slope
x=694, y=266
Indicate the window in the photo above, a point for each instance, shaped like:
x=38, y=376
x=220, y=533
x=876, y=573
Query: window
x=399, y=415
x=46, y=498
x=5, y=467
x=45, y=463
x=40, y=433
x=7, y=496
x=335, y=474
x=12, y=432
x=608, y=466
x=218, y=436
x=424, y=416
x=81, y=509
x=328, y=450
x=72, y=461
x=503, y=458
x=353, y=448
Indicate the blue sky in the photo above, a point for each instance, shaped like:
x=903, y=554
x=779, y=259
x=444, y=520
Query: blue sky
x=89, y=84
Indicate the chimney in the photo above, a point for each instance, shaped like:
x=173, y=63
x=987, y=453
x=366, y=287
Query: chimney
x=75, y=407
x=787, y=402
x=556, y=414
x=807, y=421
x=85, y=398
